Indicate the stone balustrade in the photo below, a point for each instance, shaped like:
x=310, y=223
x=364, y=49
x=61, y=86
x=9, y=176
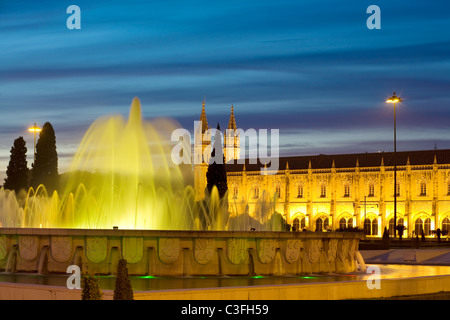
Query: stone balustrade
x=178, y=253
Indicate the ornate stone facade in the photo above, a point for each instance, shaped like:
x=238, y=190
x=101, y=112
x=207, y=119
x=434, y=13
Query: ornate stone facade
x=347, y=190
x=351, y=190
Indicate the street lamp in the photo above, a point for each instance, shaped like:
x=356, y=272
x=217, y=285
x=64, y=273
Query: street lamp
x=35, y=129
x=394, y=99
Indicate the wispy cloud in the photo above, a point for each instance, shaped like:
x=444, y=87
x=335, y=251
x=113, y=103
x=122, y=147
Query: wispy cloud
x=311, y=69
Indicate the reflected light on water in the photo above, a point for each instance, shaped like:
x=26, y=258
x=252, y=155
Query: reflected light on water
x=147, y=283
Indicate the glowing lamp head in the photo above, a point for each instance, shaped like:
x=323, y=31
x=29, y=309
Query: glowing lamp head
x=394, y=99
x=34, y=128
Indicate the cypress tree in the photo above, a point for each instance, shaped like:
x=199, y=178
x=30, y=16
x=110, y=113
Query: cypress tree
x=386, y=239
x=17, y=171
x=45, y=167
x=90, y=288
x=123, y=289
x=216, y=174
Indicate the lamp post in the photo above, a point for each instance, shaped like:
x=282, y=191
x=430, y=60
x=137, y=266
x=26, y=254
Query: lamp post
x=35, y=129
x=394, y=99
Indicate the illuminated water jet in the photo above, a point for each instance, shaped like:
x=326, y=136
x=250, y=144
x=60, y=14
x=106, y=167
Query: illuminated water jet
x=122, y=175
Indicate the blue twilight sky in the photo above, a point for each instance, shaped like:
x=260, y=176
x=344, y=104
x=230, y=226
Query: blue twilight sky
x=309, y=68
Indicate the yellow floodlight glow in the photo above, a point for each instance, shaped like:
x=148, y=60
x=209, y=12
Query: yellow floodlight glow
x=394, y=99
x=34, y=128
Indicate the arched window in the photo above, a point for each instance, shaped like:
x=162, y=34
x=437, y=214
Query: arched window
x=371, y=227
x=424, y=225
x=371, y=190
x=323, y=190
x=375, y=227
x=303, y=223
x=342, y=223
x=325, y=223
x=448, y=188
x=446, y=224
x=423, y=188
x=345, y=223
x=427, y=226
x=391, y=226
x=299, y=222
x=418, y=226
x=300, y=191
x=367, y=226
x=296, y=225
x=346, y=190
x=256, y=193
x=322, y=223
x=319, y=224
x=278, y=191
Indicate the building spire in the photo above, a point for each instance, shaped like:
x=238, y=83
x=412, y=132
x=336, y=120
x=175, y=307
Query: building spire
x=232, y=122
x=203, y=117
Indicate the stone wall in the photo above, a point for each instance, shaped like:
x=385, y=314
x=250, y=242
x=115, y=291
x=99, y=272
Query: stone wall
x=335, y=290
x=178, y=253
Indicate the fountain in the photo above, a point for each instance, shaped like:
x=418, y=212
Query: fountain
x=120, y=173
x=123, y=197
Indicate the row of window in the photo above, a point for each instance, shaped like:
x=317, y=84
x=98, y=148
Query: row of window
x=371, y=193
x=323, y=191
x=371, y=225
x=321, y=224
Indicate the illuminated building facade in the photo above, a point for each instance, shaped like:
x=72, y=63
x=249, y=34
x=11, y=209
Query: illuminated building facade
x=353, y=190
x=350, y=190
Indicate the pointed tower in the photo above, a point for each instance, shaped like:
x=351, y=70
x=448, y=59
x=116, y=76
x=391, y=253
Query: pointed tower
x=232, y=122
x=202, y=153
x=202, y=138
x=232, y=145
x=204, y=121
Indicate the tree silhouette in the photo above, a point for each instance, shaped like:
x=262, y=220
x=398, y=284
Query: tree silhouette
x=216, y=174
x=90, y=288
x=123, y=289
x=17, y=171
x=45, y=167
